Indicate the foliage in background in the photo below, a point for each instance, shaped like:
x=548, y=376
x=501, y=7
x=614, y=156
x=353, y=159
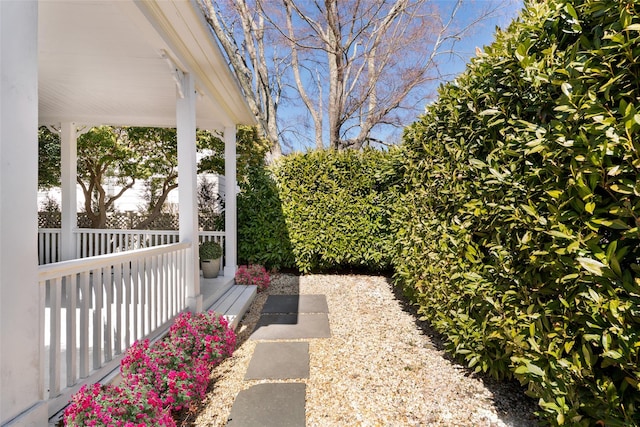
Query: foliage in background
x=337, y=208
x=121, y=156
x=159, y=148
x=518, y=236
x=48, y=159
x=251, y=150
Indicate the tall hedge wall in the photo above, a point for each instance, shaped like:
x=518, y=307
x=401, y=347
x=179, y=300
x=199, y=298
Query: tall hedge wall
x=263, y=237
x=337, y=206
x=320, y=211
x=518, y=236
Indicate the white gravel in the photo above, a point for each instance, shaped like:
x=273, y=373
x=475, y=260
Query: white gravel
x=381, y=367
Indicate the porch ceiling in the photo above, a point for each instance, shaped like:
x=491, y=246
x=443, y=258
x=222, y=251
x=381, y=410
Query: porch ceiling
x=101, y=62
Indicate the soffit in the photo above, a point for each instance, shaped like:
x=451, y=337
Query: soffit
x=105, y=62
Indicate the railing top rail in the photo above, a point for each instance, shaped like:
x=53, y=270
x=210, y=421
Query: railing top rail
x=74, y=266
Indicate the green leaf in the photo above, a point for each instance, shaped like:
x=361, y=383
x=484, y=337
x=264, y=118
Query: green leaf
x=612, y=354
x=571, y=11
x=591, y=265
x=589, y=207
x=559, y=234
x=535, y=370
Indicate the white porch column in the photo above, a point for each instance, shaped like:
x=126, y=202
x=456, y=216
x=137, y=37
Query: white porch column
x=69, y=171
x=20, y=298
x=230, y=207
x=187, y=193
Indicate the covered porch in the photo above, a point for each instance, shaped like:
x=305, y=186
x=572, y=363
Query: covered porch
x=72, y=65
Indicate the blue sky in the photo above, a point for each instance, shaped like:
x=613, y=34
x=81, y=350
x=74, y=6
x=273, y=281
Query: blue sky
x=481, y=35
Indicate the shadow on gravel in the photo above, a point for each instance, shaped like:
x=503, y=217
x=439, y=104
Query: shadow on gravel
x=514, y=408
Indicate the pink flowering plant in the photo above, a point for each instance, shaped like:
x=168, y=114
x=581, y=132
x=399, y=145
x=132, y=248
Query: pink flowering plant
x=106, y=405
x=204, y=335
x=177, y=377
x=253, y=275
x=158, y=378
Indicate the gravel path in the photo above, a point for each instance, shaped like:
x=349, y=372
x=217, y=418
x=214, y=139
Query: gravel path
x=381, y=367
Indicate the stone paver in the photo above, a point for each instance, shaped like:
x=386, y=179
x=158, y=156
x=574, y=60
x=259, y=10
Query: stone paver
x=284, y=317
x=291, y=326
x=270, y=405
x=279, y=361
x=288, y=304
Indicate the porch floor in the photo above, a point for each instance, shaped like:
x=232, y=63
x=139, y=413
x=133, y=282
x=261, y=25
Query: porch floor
x=213, y=289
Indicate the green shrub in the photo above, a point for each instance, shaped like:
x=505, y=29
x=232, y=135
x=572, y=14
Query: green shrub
x=209, y=250
x=337, y=207
x=262, y=233
x=518, y=235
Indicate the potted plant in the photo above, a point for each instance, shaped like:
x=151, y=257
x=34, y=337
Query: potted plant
x=210, y=256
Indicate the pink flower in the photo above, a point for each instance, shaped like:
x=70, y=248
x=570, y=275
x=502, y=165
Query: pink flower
x=158, y=378
x=110, y=405
x=253, y=275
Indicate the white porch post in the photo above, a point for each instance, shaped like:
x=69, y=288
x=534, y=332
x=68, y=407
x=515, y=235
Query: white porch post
x=69, y=170
x=187, y=198
x=20, y=298
x=230, y=212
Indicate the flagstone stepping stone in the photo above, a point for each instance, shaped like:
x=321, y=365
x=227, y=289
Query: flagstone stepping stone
x=288, y=304
x=279, y=361
x=291, y=326
x=286, y=317
x=267, y=405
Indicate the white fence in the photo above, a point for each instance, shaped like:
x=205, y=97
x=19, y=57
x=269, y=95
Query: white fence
x=92, y=242
x=95, y=308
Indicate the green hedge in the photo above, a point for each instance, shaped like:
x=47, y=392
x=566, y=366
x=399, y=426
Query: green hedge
x=518, y=235
x=337, y=206
x=262, y=232
x=320, y=211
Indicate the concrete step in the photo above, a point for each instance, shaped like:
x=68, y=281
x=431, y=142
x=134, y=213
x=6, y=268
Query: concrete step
x=235, y=302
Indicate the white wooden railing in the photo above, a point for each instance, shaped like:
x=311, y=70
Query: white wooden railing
x=91, y=242
x=49, y=245
x=95, y=308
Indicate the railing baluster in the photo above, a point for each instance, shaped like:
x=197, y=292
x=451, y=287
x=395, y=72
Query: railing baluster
x=71, y=297
x=85, y=306
x=118, y=303
x=129, y=320
x=97, y=317
x=165, y=288
x=157, y=286
x=144, y=298
x=104, y=240
x=174, y=282
x=55, y=294
x=153, y=293
x=107, y=278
